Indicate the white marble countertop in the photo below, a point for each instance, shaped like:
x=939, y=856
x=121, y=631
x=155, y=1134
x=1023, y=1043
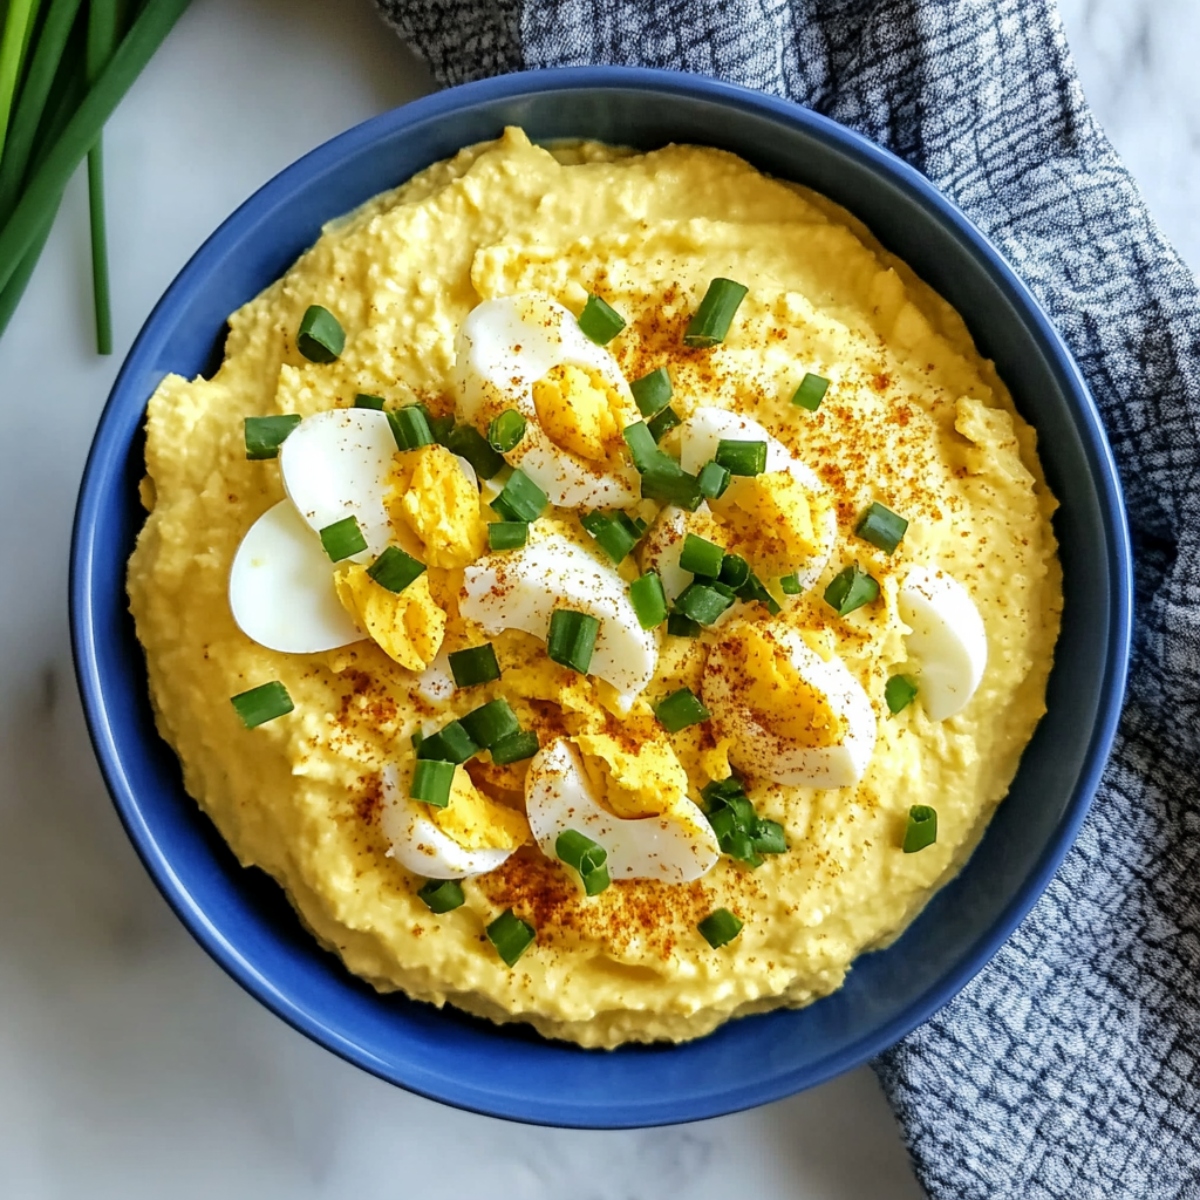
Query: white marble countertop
x=130, y=1065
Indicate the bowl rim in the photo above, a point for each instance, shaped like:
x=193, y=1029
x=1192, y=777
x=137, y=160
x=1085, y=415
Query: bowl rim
x=108, y=449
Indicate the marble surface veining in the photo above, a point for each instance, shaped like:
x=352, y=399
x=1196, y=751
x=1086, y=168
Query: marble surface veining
x=130, y=1065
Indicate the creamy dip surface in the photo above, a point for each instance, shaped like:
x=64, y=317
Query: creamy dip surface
x=913, y=420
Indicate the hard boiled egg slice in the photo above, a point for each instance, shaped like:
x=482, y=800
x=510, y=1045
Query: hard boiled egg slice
x=419, y=845
x=506, y=351
x=701, y=434
x=791, y=715
x=281, y=587
x=519, y=589
x=946, y=638
x=676, y=846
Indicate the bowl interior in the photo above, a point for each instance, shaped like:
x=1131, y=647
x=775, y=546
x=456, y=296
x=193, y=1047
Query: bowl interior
x=242, y=918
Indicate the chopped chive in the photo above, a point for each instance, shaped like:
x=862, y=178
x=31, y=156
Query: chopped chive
x=663, y=422
x=520, y=499
x=769, y=837
x=586, y=857
x=572, y=638
x=491, y=723
x=675, y=486
x=467, y=442
x=450, y=744
x=616, y=533
x=417, y=738
x=701, y=557
x=755, y=590
x=741, y=457
x=410, y=427
x=811, y=392
x=710, y=323
x=721, y=792
x=597, y=881
x=652, y=392
x=649, y=600
x=511, y=936
x=713, y=479
x=440, y=427
x=921, y=829
x=263, y=703
x=442, y=895
x=679, y=710
x=431, y=782
x=851, y=589
x=899, y=692
x=599, y=321
x=366, y=400
x=790, y=585
x=735, y=571
x=719, y=928
x=264, y=435
x=321, y=338
x=702, y=602
x=644, y=449
x=475, y=665
x=680, y=626
x=395, y=570
x=506, y=430
x=342, y=539
x=515, y=748
x=507, y=535
x=881, y=527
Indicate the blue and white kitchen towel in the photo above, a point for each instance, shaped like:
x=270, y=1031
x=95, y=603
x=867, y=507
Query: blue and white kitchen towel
x=1069, y=1068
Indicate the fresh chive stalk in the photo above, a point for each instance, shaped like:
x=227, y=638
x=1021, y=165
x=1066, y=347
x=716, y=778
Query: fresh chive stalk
x=101, y=38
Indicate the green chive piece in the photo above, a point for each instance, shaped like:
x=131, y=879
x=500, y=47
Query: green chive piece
x=741, y=457
x=506, y=431
x=507, y=535
x=679, y=710
x=342, y=539
x=881, y=527
x=769, y=837
x=851, y=589
x=366, y=400
x=921, y=829
x=410, y=427
x=475, y=665
x=515, y=748
x=451, y=744
x=680, y=626
x=101, y=39
x=899, y=692
x=735, y=571
x=572, y=638
x=649, y=600
x=395, y=570
x=440, y=427
x=652, y=392
x=586, y=857
x=710, y=323
x=701, y=557
x=719, y=928
x=811, y=392
x=675, y=486
x=417, y=738
x=600, y=321
x=663, y=422
x=511, y=936
x=263, y=703
x=616, y=533
x=755, y=590
x=520, y=499
x=702, y=603
x=741, y=832
x=442, y=895
x=790, y=585
x=467, y=442
x=713, y=479
x=321, y=338
x=264, y=435
x=491, y=723
x=644, y=449
x=431, y=782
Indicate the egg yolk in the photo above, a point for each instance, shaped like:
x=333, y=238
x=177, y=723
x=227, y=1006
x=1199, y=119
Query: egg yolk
x=476, y=822
x=779, y=698
x=772, y=517
x=580, y=412
x=408, y=626
x=432, y=498
x=635, y=775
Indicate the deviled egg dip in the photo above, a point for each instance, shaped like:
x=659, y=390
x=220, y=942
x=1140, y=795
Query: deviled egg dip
x=605, y=590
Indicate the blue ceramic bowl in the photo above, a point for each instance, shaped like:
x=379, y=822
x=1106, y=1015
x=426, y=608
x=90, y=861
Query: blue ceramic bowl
x=241, y=917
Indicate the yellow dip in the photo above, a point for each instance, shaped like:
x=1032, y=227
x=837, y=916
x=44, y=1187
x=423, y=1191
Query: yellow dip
x=914, y=418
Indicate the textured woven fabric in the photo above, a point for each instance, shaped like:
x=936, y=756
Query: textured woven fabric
x=1069, y=1067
